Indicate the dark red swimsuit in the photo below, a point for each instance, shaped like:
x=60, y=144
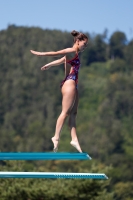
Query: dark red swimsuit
x=75, y=63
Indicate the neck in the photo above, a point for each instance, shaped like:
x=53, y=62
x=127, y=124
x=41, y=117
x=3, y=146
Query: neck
x=76, y=48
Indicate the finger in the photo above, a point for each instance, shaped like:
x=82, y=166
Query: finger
x=44, y=68
x=32, y=51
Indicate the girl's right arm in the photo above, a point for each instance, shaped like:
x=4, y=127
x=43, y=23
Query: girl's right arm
x=54, y=53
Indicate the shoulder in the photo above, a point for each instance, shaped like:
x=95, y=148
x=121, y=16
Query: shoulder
x=70, y=50
x=65, y=51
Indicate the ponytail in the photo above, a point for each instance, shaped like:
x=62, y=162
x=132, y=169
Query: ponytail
x=78, y=36
x=74, y=33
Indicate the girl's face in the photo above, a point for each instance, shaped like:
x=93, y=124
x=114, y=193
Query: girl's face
x=82, y=44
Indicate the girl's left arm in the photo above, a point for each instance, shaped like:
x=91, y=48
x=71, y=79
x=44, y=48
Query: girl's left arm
x=54, y=63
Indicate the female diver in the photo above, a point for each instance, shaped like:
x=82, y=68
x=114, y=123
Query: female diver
x=68, y=85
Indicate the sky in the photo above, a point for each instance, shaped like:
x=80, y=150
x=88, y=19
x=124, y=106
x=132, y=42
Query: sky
x=92, y=16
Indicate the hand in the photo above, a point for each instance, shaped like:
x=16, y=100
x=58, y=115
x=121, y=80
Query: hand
x=45, y=67
x=36, y=53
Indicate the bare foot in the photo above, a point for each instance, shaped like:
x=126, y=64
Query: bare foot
x=76, y=145
x=55, y=142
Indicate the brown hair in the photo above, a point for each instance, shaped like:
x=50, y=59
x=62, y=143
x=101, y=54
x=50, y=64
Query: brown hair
x=78, y=36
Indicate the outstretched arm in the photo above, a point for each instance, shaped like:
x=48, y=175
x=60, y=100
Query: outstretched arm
x=54, y=53
x=54, y=63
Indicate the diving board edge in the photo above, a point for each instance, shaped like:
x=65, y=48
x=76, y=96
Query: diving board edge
x=52, y=175
x=43, y=156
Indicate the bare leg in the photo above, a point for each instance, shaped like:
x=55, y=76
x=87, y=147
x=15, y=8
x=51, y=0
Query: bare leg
x=72, y=124
x=69, y=94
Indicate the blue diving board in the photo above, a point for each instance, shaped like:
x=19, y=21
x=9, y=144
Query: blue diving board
x=43, y=156
x=52, y=175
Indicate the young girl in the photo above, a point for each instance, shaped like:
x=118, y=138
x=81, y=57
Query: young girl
x=68, y=85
